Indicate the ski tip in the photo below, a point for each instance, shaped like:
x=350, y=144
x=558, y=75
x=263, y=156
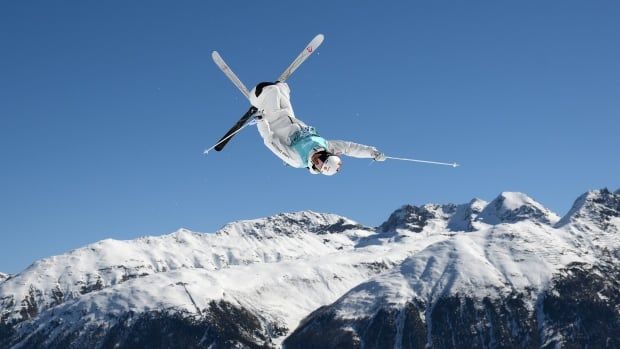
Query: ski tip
x=455, y=165
x=215, y=55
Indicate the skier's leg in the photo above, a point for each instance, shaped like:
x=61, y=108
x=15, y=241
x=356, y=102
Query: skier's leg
x=259, y=88
x=285, y=95
x=264, y=130
x=278, y=120
x=266, y=98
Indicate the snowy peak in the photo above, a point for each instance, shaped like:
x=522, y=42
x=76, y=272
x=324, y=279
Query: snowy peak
x=512, y=207
x=598, y=206
x=414, y=218
x=508, y=207
x=291, y=224
x=465, y=216
x=3, y=277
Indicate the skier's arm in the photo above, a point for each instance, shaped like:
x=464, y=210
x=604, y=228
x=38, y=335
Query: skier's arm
x=355, y=150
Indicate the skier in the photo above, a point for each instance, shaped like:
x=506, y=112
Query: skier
x=298, y=144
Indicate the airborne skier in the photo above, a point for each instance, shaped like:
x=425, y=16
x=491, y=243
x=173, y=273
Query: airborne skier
x=298, y=144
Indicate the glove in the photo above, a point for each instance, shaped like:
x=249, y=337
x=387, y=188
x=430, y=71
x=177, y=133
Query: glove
x=378, y=156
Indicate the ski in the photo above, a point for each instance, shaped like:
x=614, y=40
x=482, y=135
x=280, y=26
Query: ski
x=307, y=51
x=233, y=130
x=219, y=61
x=230, y=74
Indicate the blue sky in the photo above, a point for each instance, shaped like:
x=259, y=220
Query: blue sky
x=106, y=107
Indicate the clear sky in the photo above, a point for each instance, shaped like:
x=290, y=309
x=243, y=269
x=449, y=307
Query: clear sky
x=106, y=107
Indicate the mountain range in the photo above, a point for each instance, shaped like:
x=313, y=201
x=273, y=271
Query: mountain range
x=505, y=273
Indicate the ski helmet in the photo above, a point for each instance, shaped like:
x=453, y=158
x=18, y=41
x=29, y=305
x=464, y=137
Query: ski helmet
x=331, y=165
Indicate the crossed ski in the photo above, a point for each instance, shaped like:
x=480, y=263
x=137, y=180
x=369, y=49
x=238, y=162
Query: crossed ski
x=252, y=112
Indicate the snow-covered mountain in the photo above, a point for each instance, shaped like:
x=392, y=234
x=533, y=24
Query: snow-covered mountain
x=505, y=273
x=515, y=207
x=3, y=276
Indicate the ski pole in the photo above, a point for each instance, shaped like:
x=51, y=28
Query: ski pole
x=454, y=164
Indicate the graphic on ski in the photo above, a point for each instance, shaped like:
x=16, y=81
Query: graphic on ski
x=229, y=73
x=310, y=48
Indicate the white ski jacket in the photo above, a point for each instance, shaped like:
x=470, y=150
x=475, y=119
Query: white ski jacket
x=278, y=124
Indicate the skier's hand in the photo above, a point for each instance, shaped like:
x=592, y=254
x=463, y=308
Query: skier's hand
x=378, y=156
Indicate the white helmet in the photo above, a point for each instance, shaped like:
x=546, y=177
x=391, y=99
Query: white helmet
x=331, y=165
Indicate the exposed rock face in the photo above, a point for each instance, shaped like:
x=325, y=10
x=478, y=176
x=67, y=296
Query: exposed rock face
x=598, y=207
x=579, y=309
x=465, y=216
x=410, y=218
x=504, y=274
x=582, y=307
x=222, y=325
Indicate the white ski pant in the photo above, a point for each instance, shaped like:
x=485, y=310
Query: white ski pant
x=278, y=121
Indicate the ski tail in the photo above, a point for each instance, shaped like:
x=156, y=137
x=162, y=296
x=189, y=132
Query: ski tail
x=307, y=51
x=229, y=73
x=228, y=136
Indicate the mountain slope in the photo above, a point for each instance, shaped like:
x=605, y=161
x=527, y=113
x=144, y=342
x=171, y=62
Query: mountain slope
x=509, y=271
x=54, y=280
x=254, y=266
x=516, y=284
